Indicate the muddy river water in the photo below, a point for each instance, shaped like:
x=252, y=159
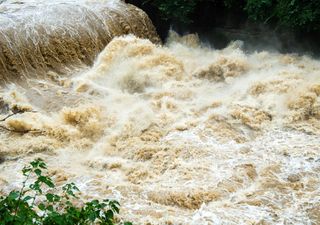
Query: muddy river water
x=179, y=133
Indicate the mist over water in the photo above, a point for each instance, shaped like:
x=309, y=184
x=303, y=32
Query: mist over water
x=179, y=134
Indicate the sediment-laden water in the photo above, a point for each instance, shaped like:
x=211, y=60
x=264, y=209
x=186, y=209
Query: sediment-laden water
x=37, y=37
x=179, y=134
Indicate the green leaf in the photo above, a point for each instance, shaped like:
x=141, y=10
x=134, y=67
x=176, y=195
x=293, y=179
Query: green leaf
x=41, y=206
x=36, y=187
x=38, y=172
x=42, y=165
x=127, y=223
x=26, y=171
x=52, y=197
x=14, y=195
x=109, y=214
x=95, y=202
x=102, y=205
x=49, y=197
x=92, y=216
x=47, y=181
x=114, y=205
x=27, y=198
x=50, y=208
x=71, y=193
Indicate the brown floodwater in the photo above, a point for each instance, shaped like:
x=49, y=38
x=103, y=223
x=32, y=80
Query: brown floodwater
x=179, y=133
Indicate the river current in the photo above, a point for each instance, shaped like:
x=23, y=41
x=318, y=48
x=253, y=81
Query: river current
x=179, y=133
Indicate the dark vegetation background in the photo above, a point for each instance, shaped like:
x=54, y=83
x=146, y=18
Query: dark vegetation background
x=282, y=25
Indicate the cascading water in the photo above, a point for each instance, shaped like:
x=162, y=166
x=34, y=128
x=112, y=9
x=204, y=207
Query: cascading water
x=179, y=134
x=41, y=36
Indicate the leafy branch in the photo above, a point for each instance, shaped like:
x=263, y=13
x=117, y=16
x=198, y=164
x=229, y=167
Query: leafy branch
x=37, y=203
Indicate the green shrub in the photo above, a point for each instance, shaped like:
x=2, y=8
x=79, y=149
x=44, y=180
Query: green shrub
x=294, y=14
x=179, y=10
x=36, y=203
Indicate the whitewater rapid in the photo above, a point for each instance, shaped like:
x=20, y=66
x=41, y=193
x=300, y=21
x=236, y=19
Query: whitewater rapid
x=179, y=134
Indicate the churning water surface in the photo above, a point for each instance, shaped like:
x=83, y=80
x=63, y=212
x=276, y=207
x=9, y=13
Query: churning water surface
x=179, y=134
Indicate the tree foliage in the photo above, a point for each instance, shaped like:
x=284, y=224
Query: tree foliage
x=293, y=14
x=37, y=203
x=179, y=10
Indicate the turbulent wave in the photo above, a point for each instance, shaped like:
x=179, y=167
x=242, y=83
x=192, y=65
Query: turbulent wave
x=37, y=37
x=180, y=134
